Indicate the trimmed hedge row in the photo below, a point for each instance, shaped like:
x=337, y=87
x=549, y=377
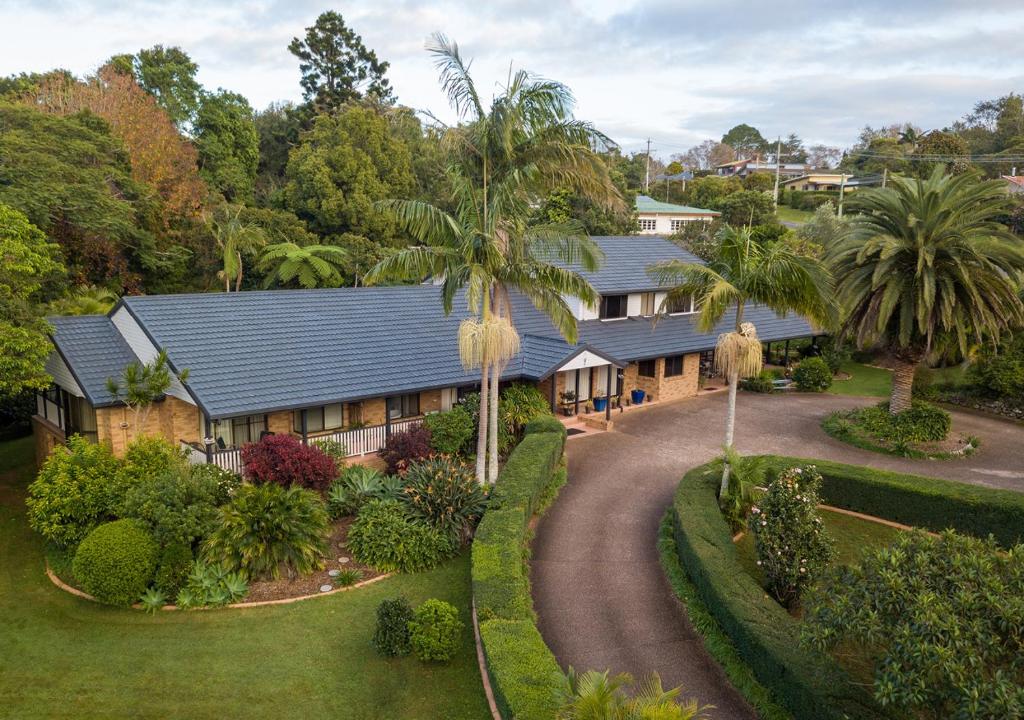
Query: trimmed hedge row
x=920, y=501
x=808, y=683
x=525, y=676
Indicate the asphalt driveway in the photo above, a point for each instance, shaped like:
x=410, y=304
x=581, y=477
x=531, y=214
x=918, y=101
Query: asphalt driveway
x=600, y=595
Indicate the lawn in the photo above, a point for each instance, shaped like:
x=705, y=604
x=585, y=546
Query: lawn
x=788, y=214
x=864, y=381
x=65, y=657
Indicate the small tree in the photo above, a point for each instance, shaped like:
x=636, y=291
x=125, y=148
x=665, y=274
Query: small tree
x=141, y=385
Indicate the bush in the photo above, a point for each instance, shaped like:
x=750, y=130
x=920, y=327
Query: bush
x=1000, y=374
x=116, y=561
x=451, y=432
x=267, y=528
x=223, y=482
x=545, y=424
x=356, y=486
x=384, y=537
x=445, y=493
x=333, y=449
x=813, y=375
x=763, y=382
x=147, y=457
x=521, y=403
x=76, y=490
x=525, y=676
x=792, y=545
x=391, y=636
x=834, y=355
x=941, y=618
x=435, y=632
x=923, y=422
x=175, y=505
x=284, y=460
x=173, y=569
x=211, y=585
x=406, y=447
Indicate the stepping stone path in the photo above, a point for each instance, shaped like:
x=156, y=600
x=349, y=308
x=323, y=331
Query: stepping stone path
x=326, y=588
x=334, y=573
x=343, y=560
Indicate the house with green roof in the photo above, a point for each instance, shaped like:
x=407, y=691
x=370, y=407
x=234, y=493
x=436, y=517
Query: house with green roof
x=662, y=218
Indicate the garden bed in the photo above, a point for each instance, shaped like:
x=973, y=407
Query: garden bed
x=872, y=428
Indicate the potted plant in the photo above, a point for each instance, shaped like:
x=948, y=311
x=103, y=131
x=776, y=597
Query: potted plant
x=637, y=395
x=600, y=401
x=568, y=400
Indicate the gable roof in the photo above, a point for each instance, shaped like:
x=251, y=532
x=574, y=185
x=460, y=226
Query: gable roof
x=625, y=262
x=93, y=350
x=645, y=204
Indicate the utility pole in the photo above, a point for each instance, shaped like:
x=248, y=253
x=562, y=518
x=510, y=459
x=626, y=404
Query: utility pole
x=778, y=170
x=647, y=175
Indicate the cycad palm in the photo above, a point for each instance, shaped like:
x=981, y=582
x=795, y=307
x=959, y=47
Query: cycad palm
x=85, y=300
x=310, y=266
x=743, y=271
x=927, y=262
x=235, y=238
x=596, y=696
x=502, y=158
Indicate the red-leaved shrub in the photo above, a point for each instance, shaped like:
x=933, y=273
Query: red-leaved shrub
x=406, y=447
x=284, y=460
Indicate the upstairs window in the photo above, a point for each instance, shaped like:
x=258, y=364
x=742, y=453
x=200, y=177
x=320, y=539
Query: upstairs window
x=648, y=223
x=674, y=366
x=681, y=306
x=647, y=307
x=613, y=307
x=646, y=368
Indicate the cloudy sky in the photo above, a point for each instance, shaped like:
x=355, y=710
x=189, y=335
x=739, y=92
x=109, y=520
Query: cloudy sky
x=678, y=71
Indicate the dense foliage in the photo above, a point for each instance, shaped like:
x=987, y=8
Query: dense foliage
x=435, y=632
x=356, y=485
x=451, y=432
x=283, y=459
x=268, y=528
x=876, y=425
x=385, y=537
x=1000, y=374
x=942, y=618
x=406, y=447
x=444, y=493
x=211, y=584
x=391, y=634
x=792, y=545
x=173, y=569
x=116, y=561
x=813, y=374
x=177, y=507
x=596, y=695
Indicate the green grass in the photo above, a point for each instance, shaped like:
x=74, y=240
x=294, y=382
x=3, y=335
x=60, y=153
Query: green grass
x=792, y=215
x=851, y=535
x=864, y=381
x=64, y=657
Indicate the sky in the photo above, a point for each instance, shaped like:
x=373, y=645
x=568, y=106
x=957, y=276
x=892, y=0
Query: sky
x=678, y=72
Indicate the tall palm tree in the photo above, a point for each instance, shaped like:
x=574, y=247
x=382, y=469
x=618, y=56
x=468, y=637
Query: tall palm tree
x=310, y=266
x=924, y=263
x=235, y=238
x=742, y=271
x=502, y=159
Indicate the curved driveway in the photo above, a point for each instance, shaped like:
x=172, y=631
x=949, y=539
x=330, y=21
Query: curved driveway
x=598, y=589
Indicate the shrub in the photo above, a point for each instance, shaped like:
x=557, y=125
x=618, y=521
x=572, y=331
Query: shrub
x=391, y=636
x=747, y=479
x=763, y=382
x=152, y=600
x=835, y=355
x=333, y=449
x=284, y=460
x=812, y=375
x=267, y=528
x=349, y=576
x=444, y=493
x=435, y=632
x=526, y=678
x=792, y=545
x=223, y=482
x=384, y=537
x=115, y=562
x=357, y=485
x=405, y=447
x=211, y=585
x=147, y=457
x=941, y=618
x=451, y=432
x=521, y=403
x=176, y=506
x=923, y=422
x=1000, y=374
x=544, y=424
x=76, y=490
x=173, y=569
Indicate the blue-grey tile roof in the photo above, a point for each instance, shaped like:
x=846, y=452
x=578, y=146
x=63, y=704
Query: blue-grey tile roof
x=626, y=260
x=94, y=351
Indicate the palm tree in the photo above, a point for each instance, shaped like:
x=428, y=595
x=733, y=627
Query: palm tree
x=310, y=266
x=596, y=696
x=235, y=238
x=502, y=159
x=742, y=271
x=85, y=300
x=927, y=263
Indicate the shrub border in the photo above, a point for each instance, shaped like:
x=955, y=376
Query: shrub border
x=523, y=673
x=865, y=443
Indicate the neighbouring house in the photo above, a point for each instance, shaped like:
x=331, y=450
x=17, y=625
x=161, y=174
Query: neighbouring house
x=829, y=181
x=355, y=364
x=1014, y=184
x=742, y=168
x=662, y=218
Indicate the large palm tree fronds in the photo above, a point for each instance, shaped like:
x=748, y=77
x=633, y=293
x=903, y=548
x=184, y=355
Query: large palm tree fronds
x=739, y=353
x=85, y=300
x=310, y=266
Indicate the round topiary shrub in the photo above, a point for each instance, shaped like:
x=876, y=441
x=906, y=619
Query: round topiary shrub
x=116, y=561
x=435, y=631
x=391, y=636
x=384, y=537
x=813, y=375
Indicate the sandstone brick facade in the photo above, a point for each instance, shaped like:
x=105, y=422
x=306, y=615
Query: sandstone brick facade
x=171, y=418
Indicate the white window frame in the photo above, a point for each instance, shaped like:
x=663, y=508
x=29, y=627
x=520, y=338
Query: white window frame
x=648, y=223
x=677, y=224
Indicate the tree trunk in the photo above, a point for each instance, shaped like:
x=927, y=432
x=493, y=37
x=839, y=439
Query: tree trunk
x=494, y=427
x=481, y=440
x=902, y=386
x=730, y=426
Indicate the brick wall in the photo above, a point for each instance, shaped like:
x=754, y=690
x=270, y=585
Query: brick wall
x=47, y=436
x=430, y=401
x=660, y=387
x=280, y=423
x=171, y=419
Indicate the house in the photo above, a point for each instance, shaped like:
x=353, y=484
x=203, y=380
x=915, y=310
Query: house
x=662, y=218
x=742, y=168
x=816, y=181
x=355, y=364
x=1014, y=183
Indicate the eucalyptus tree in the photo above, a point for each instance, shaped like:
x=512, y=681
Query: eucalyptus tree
x=503, y=159
x=740, y=272
x=926, y=263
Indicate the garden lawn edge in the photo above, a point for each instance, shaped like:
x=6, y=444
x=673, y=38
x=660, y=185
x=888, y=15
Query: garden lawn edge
x=527, y=681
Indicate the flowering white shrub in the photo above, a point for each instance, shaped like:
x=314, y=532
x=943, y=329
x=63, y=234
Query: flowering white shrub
x=792, y=545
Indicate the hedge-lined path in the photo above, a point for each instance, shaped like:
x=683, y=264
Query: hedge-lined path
x=599, y=592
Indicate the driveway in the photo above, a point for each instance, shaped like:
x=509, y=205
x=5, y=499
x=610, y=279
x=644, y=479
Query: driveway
x=601, y=598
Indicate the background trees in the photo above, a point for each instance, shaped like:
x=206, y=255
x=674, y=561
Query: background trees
x=227, y=144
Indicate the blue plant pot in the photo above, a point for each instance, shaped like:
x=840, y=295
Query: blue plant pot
x=600, y=404
x=637, y=396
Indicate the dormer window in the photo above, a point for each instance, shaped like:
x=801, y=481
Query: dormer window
x=682, y=306
x=613, y=307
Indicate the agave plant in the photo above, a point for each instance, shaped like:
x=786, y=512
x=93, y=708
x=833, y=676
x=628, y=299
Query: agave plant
x=152, y=600
x=357, y=485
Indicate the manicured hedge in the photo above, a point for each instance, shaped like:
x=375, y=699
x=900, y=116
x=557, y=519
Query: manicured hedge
x=809, y=684
x=920, y=501
x=525, y=676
